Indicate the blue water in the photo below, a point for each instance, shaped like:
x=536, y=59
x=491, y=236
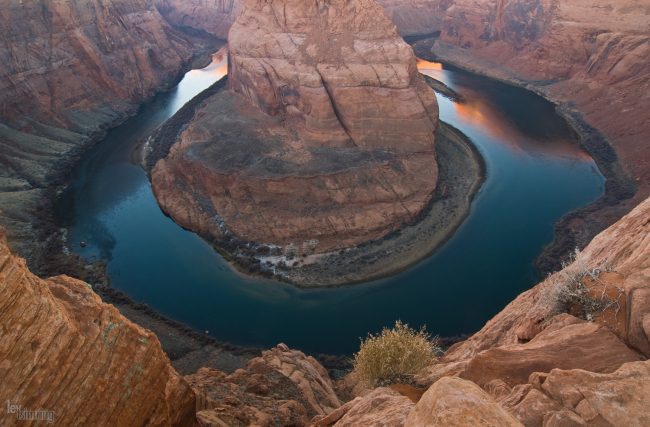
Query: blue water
x=535, y=174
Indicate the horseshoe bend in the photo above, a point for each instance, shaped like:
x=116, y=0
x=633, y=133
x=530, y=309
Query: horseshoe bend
x=324, y=139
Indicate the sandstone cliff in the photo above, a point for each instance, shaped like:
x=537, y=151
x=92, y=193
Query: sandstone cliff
x=325, y=140
x=63, y=350
x=70, y=70
x=412, y=18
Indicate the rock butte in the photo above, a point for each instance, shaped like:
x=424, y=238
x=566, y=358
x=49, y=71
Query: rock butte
x=331, y=143
x=529, y=365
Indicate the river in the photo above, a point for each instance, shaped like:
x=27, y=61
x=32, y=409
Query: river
x=535, y=173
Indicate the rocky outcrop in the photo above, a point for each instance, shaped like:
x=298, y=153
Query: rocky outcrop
x=282, y=387
x=212, y=16
x=71, y=70
x=325, y=141
x=456, y=402
x=565, y=343
x=412, y=18
x=63, y=350
x=579, y=397
x=380, y=407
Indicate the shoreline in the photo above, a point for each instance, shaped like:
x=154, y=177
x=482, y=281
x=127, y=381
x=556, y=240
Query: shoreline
x=591, y=218
x=416, y=241
x=50, y=258
x=373, y=260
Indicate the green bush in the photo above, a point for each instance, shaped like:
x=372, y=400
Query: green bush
x=395, y=355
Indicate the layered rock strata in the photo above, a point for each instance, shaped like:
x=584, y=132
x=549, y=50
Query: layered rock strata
x=71, y=70
x=325, y=140
x=212, y=16
x=414, y=17
x=66, y=353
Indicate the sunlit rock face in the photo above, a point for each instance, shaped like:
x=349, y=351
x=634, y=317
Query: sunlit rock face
x=325, y=140
x=77, y=359
x=337, y=71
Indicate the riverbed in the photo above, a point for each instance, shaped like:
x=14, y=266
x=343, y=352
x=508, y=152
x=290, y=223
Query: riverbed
x=536, y=172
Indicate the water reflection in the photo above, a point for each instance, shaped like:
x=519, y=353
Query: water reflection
x=522, y=120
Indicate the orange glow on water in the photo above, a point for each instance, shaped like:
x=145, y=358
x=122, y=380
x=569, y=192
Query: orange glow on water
x=218, y=67
x=428, y=65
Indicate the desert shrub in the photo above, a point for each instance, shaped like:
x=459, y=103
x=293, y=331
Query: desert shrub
x=395, y=354
x=570, y=293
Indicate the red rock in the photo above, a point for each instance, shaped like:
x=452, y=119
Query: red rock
x=564, y=346
x=212, y=16
x=282, y=387
x=578, y=397
x=71, y=69
x=63, y=350
x=456, y=402
x=382, y=407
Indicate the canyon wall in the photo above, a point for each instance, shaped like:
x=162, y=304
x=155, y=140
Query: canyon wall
x=592, y=58
x=63, y=350
x=212, y=16
x=325, y=140
x=414, y=17
x=71, y=69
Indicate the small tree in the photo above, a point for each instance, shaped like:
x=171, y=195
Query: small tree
x=395, y=355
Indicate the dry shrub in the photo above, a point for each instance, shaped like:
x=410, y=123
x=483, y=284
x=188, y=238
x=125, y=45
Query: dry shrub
x=570, y=291
x=395, y=355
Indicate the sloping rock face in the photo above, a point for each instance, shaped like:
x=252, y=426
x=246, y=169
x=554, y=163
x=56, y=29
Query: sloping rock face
x=414, y=17
x=325, y=141
x=590, y=57
x=282, y=387
x=63, y=350
x=213, y=16
x=580, y=397
x=381, y=407
x=70, y=70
